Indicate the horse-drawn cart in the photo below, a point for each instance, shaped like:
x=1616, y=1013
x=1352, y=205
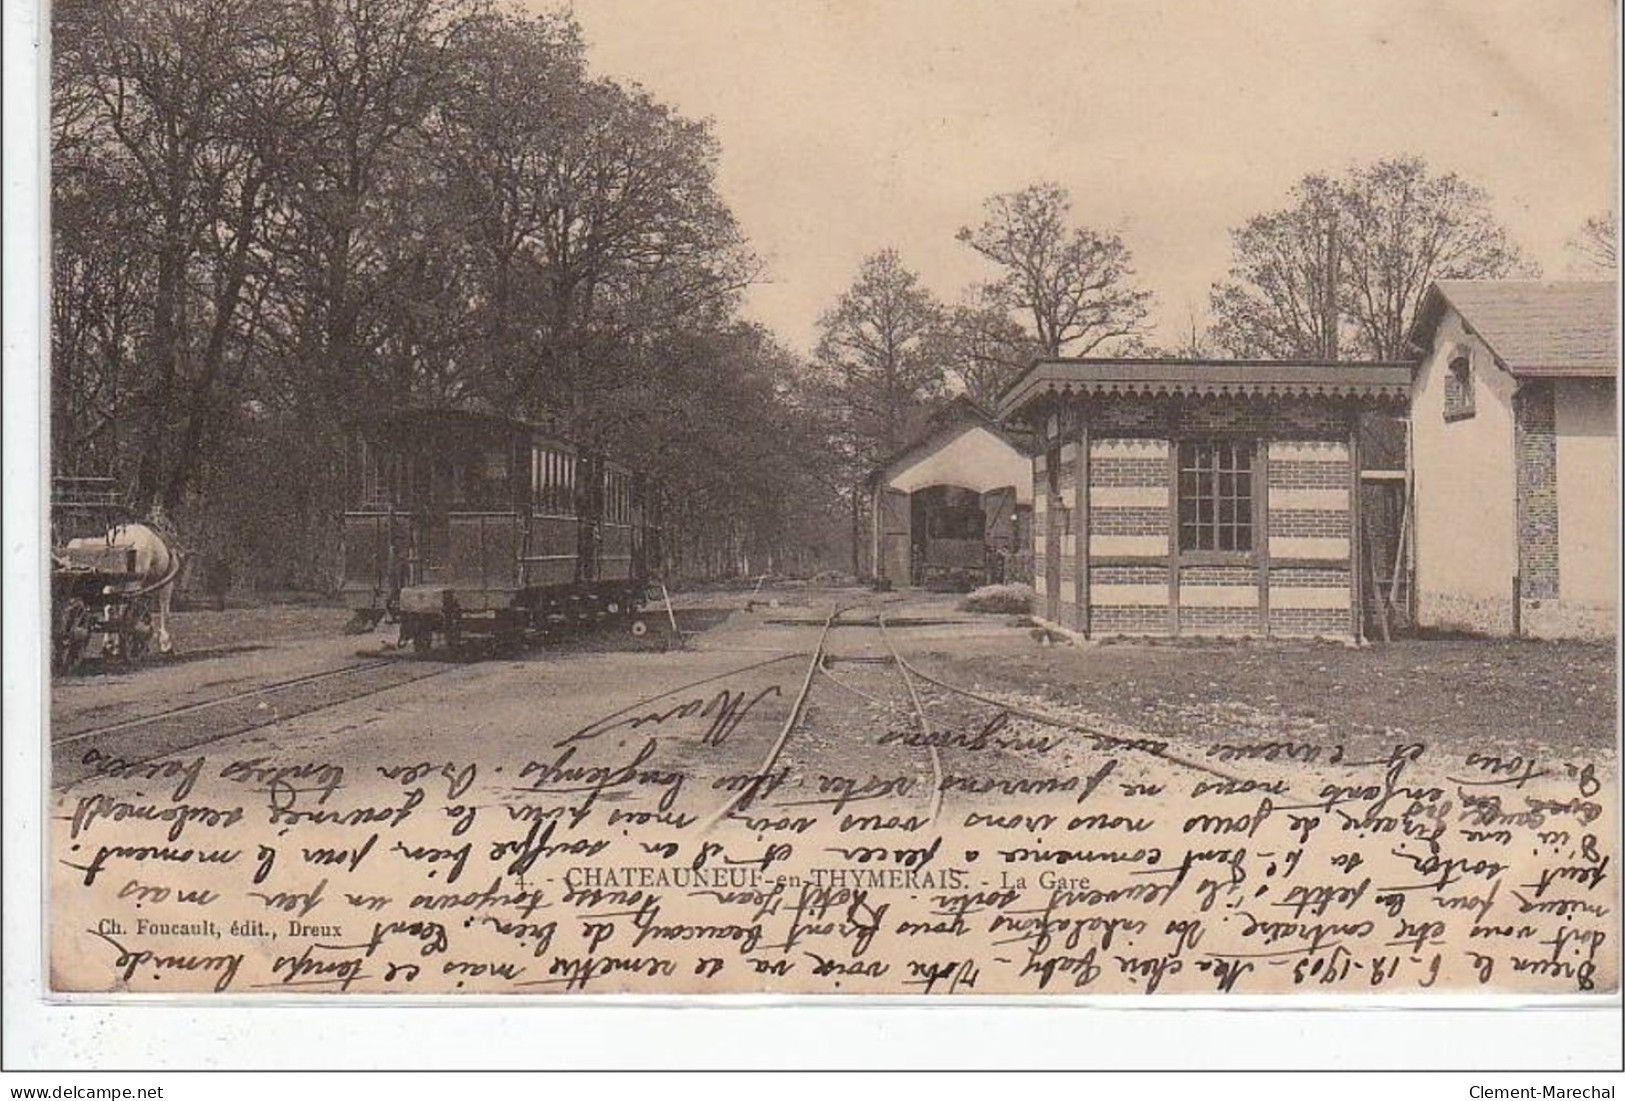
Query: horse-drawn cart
x=103, y=592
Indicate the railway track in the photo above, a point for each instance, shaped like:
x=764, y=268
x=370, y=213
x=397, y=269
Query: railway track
x=1151, y=748
x=916, y=711
x=818, y=669
x=186, y=727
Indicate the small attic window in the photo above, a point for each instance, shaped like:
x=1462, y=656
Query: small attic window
x=1458, y=387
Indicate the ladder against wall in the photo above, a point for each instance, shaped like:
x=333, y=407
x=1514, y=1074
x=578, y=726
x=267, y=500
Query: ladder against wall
x=1386, y=536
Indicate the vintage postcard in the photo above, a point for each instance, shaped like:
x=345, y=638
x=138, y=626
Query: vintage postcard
x=833, y=497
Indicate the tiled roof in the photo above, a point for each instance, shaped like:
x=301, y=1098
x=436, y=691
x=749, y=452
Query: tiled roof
x=1535, y=328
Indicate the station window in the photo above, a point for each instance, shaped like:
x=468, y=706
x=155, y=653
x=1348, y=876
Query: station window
x=1458, y=388
x=553, y=478
x=1216, y=495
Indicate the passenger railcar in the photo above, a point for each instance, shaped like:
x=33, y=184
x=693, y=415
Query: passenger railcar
x=470, y=524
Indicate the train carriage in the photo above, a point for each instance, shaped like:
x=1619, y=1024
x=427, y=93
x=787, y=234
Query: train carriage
x=471, y=524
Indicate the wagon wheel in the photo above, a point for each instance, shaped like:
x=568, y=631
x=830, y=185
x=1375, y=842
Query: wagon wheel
x=510, y=631
x=416, y=632
x=135, y=630
x=72, y=635
x=454, y=635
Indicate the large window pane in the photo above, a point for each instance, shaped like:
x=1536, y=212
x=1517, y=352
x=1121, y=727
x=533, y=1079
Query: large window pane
x=1215, y=495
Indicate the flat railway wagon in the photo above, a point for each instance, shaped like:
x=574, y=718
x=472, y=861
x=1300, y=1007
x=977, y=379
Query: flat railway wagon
x=961, y=538
x=472, y=525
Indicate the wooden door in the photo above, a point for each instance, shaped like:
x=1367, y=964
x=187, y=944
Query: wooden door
x=999, y=512
x=893, y=535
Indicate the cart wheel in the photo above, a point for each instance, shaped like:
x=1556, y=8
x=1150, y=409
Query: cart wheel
x=136, y=631
x=639, y=628
x=416, y=632
x=72, y=635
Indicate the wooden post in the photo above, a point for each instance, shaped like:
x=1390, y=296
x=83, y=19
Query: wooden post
x=1377, y=598
x=1081, y=528
x=1399, y=548
x=1356, y=585
x=676, y=635
x=1261, y=532
x=1172, y=443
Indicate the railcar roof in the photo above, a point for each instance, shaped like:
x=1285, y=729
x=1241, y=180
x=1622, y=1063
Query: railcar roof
x=417, y=416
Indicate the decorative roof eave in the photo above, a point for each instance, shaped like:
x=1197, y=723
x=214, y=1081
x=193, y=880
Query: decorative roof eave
x=1560, y=370
x=1235, y=379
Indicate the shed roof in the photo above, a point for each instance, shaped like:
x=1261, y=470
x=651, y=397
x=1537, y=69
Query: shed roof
x=945, y=423
x=1222, y=377
x=1533, y=328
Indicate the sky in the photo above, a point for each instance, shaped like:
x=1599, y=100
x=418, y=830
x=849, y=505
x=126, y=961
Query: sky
x=847, y=126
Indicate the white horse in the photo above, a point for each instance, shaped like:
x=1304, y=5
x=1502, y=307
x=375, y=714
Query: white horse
x=154, y=565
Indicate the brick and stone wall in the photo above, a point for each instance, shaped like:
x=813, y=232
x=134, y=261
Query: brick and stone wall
x=1128, y=517
x=1040, y=526
x=1138, y=585
x=1062, y=514
x=1310, y=538
x=1535, y=447
x=1128, y=497
x=1219, y=600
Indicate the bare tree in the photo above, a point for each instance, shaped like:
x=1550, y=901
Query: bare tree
x=1072, y=285
x=875, y=368
x=1597, y=243
x=872, y=344
x=983, y=347
x=1345, y=266
x=365, y=75
x=275, y=219
x=161, y=110
x=1281, y=301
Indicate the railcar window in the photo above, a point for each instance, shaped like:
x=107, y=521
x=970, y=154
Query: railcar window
x=554, y=482
x=486, y=485
x=617, y=497
x=371, y=466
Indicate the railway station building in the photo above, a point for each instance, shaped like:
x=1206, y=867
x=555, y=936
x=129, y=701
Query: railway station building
x=1514, y=458
x=1201, y=497
x=954, y=507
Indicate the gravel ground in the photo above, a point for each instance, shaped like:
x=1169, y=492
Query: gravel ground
x=1496, y=693
x=1484, y=694
x=611, y=759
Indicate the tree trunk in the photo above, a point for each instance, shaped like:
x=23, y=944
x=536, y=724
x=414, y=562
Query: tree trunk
x=857, y=531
